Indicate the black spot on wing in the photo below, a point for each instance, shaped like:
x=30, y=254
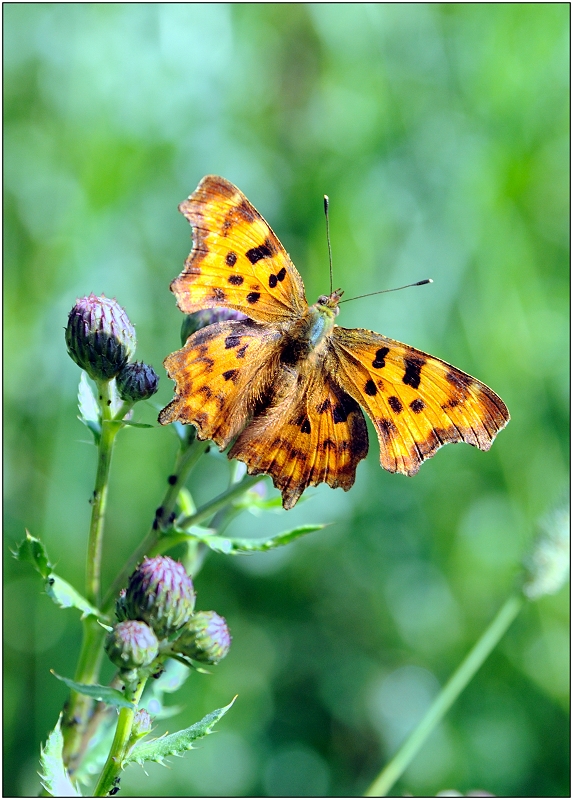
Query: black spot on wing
x=241, y=351
x=257, y=253
x=413, y=369
x=395, y=404
x=273, y=280
x=281, y=274
x=381, y=354
x=417, y=405
x=231, y=258
x=232, y=341
x=253, y=297
x=322, y=407
x=230, y=374
x=305, y=427
x=235, y=280
x=370, y=388
x=219, y=294
x=345, y=406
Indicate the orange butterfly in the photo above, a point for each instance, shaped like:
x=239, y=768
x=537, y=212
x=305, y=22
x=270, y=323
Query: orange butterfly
x=287, y=383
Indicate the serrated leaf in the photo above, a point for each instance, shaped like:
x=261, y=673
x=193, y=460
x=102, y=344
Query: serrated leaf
x=176, y=743
x=53, y=775
x=90, y=413
x=106, y=694
x=33, y=551
x=232, y=546
x=138, y=424
x=65, y=596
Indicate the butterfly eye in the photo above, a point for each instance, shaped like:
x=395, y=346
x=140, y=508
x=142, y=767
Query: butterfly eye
x=322, y=300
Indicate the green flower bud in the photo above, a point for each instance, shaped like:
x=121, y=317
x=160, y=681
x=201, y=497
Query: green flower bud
x=205, y=638
x=200, y=319
x=131, y=644
x=137, y=381
x=99, y=336
x=161, y=593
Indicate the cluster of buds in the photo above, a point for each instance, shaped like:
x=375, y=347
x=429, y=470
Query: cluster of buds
x=156, y=618
x=101, y=340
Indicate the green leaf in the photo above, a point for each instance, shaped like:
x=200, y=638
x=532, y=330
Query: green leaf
x=176, y=743
x=53, y=774
x=33, y=551
x=65, y=596
x=223, y=544
x=138, y=424
x=106, y=694
x=90, y=413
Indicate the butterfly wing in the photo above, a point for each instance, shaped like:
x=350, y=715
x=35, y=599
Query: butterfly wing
x=312, y=432
x=221, y=376
x=236, y=261
x=417, y=402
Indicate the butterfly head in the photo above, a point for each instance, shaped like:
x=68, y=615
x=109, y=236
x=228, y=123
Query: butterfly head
x=328, y=304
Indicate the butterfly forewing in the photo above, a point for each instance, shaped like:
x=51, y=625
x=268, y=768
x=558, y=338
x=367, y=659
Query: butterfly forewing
x=417, y=402
x=236, y=261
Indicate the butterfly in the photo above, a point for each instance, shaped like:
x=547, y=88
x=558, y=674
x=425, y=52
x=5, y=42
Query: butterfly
x=287, y=384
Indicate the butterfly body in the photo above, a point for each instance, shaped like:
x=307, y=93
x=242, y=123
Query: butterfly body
x=287, y=384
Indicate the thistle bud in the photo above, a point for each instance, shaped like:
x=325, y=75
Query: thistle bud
x=200, y=319
x=131, y=644
x=99, y=336
x=137, y=381
x=161, y=593
x=205, y=638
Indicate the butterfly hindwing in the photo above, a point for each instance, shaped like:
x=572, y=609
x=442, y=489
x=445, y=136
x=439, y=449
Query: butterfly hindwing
x=221, y=376
x=236, y=261
x=417, y=402
x=312, y=432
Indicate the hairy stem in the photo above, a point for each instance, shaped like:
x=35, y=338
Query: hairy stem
x=453, y=688
x=118, y=750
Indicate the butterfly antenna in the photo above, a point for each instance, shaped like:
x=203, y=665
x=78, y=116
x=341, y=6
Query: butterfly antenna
x=383, y=291
x=328, y=238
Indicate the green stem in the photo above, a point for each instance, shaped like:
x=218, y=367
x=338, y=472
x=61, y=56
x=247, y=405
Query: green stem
x=78, y=707
x=118, y=750
x=459, y=680
x=187, y=457
x=109, y=431
x=210, y=508
x=165, y=543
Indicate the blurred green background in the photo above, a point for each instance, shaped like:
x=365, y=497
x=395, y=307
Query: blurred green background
x=441, y=134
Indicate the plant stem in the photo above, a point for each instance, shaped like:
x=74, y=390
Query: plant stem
x=234, y=491
x=78, y=707
x=459, y=680
x=118, y=750
x=109, y=431
x=187, y=457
